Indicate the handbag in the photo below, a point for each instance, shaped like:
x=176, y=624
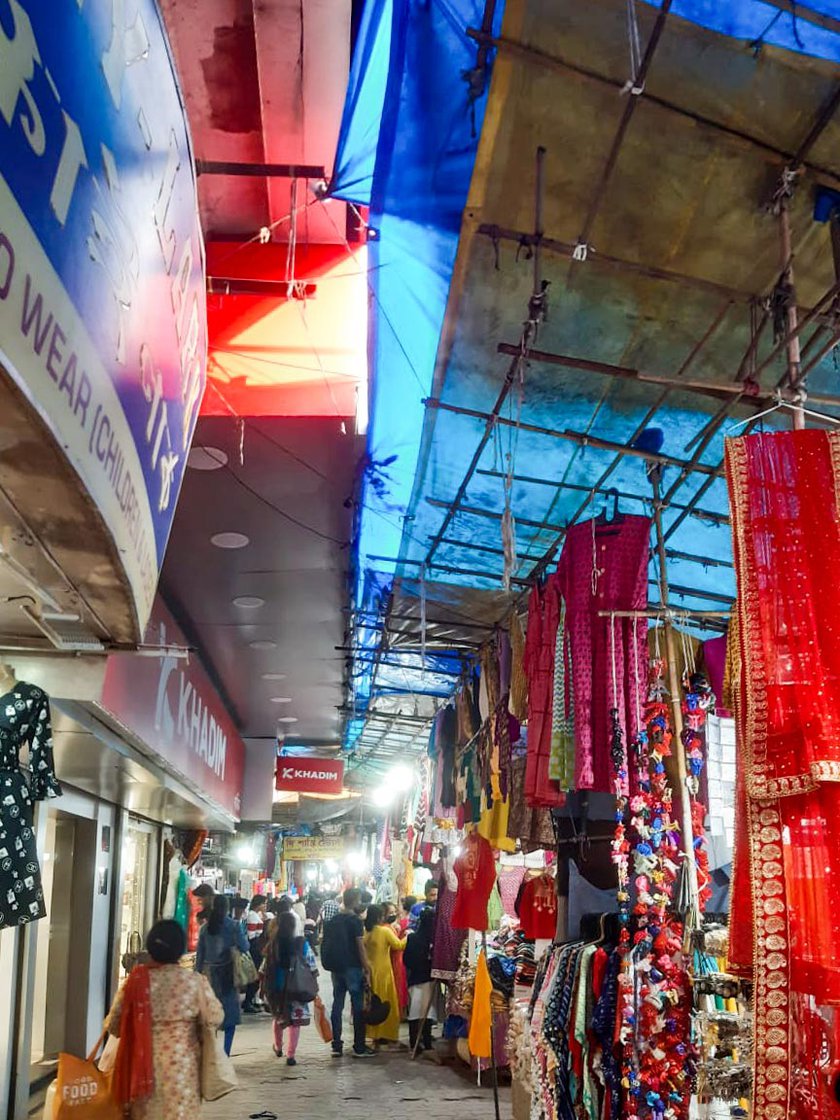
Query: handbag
x=376, y=1010
x=218, y=1077
x=322, y=1021
x=134, y=954
x=301, y=982
x=244, y=970
x=81, y=1091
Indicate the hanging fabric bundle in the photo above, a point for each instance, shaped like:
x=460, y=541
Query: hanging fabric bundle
x=785, y=923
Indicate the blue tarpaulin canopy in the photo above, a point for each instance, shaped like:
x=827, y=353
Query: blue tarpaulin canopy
x=661, y=250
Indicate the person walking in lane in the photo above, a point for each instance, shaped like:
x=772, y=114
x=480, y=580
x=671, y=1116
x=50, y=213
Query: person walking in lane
x=219, y=936
x=255, y=923
x=343, y=954
x=422, y=1012
x=380, y=940
x=157, y=1015
x=290, y=975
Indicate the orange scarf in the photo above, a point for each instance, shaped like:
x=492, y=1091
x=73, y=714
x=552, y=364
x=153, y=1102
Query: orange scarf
x=134, y=1071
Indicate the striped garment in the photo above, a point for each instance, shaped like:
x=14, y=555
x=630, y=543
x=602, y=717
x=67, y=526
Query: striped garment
x=561, y=763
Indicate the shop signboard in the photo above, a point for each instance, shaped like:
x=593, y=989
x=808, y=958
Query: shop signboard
x=168, y=702
x=309, y=775
x=102, y=301
x=313, y=847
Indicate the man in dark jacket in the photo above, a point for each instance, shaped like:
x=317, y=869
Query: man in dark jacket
x=417, y=958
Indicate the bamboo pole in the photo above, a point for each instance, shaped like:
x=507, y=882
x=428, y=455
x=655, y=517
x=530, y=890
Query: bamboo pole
x=794, y=363
x=679, y=771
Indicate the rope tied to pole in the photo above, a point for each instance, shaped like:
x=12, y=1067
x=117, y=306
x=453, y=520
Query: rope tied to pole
x=634, y=40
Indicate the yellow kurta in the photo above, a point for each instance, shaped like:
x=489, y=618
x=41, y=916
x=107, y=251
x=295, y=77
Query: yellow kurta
x=378, y=944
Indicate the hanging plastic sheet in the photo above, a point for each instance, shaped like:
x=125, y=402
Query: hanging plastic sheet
x=407, y=145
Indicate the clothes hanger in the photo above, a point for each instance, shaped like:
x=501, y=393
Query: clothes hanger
x=780, y=404
x=616, y=517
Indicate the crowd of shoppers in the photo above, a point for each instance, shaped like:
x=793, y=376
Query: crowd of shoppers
x=379, y=956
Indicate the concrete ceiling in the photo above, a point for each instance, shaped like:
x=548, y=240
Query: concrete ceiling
x=263, y=82
x=290, y=579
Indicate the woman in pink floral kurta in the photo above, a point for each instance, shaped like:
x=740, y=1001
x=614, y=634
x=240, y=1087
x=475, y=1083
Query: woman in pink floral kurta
x=180, y=1001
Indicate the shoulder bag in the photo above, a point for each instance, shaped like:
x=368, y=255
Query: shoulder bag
x=244, y=969
x=218, y=1077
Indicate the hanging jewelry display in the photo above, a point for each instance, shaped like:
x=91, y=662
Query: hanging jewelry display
x=659, y=1060
x=698, y=700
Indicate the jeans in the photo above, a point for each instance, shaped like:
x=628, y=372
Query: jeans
x=255, y=948
x=351, y=980
x=229, y=1033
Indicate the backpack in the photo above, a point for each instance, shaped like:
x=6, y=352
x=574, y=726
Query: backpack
x=333, y=945
x=301, y=984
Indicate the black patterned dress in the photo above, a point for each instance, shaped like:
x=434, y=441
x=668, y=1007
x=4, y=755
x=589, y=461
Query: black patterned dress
x=24, y=718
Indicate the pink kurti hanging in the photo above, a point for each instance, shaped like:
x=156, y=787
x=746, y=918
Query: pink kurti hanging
x=604, y=567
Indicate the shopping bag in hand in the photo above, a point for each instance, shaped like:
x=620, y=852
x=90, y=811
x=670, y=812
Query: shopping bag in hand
x=322, y=1021
x=82, y=1091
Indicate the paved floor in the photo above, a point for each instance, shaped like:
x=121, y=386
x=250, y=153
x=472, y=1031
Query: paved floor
x=321, y=1087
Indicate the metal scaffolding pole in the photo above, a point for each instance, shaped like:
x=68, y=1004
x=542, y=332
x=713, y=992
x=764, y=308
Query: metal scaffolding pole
x=536, y=309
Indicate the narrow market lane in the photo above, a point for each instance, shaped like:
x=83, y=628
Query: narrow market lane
x=322, y=1086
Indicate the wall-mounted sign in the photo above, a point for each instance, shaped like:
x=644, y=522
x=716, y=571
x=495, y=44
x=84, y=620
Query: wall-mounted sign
x=313, y=847
x=102, y=291
x=309, y=775
x=170, y=704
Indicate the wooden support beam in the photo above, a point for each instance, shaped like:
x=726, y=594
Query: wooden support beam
x=771, y=153
x=529, y=330
x=476, y=511
x=726, y=391
x=555, y=484
x=605, y=260
x=578, y=437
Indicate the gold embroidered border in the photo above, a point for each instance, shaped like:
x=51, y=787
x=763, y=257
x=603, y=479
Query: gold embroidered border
x=753, y=669
x=772, y=1013
x=761, y=781
x=771, y=940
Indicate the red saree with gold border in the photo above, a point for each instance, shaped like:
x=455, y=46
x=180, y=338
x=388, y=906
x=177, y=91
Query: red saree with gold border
x=785, y=917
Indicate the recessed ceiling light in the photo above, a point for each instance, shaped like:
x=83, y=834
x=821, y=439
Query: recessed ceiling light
x=250, y=601
x=206, y=459
x=263, y=644
x=288, y=719
x=274, y=676
x=281, y=699
x=229, y=540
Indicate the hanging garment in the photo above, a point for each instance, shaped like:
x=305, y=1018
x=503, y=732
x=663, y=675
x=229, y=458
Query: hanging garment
x=448, y=941
x=785, y=923
x=476, y=872
x=714, y=659
x=532, y=827
x=24, y=719
x=518, y=699
x=510, y=880
x=481, y=1017
x=603, y=567
x=540, y=646
x=538, y=908
x=561, y=763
